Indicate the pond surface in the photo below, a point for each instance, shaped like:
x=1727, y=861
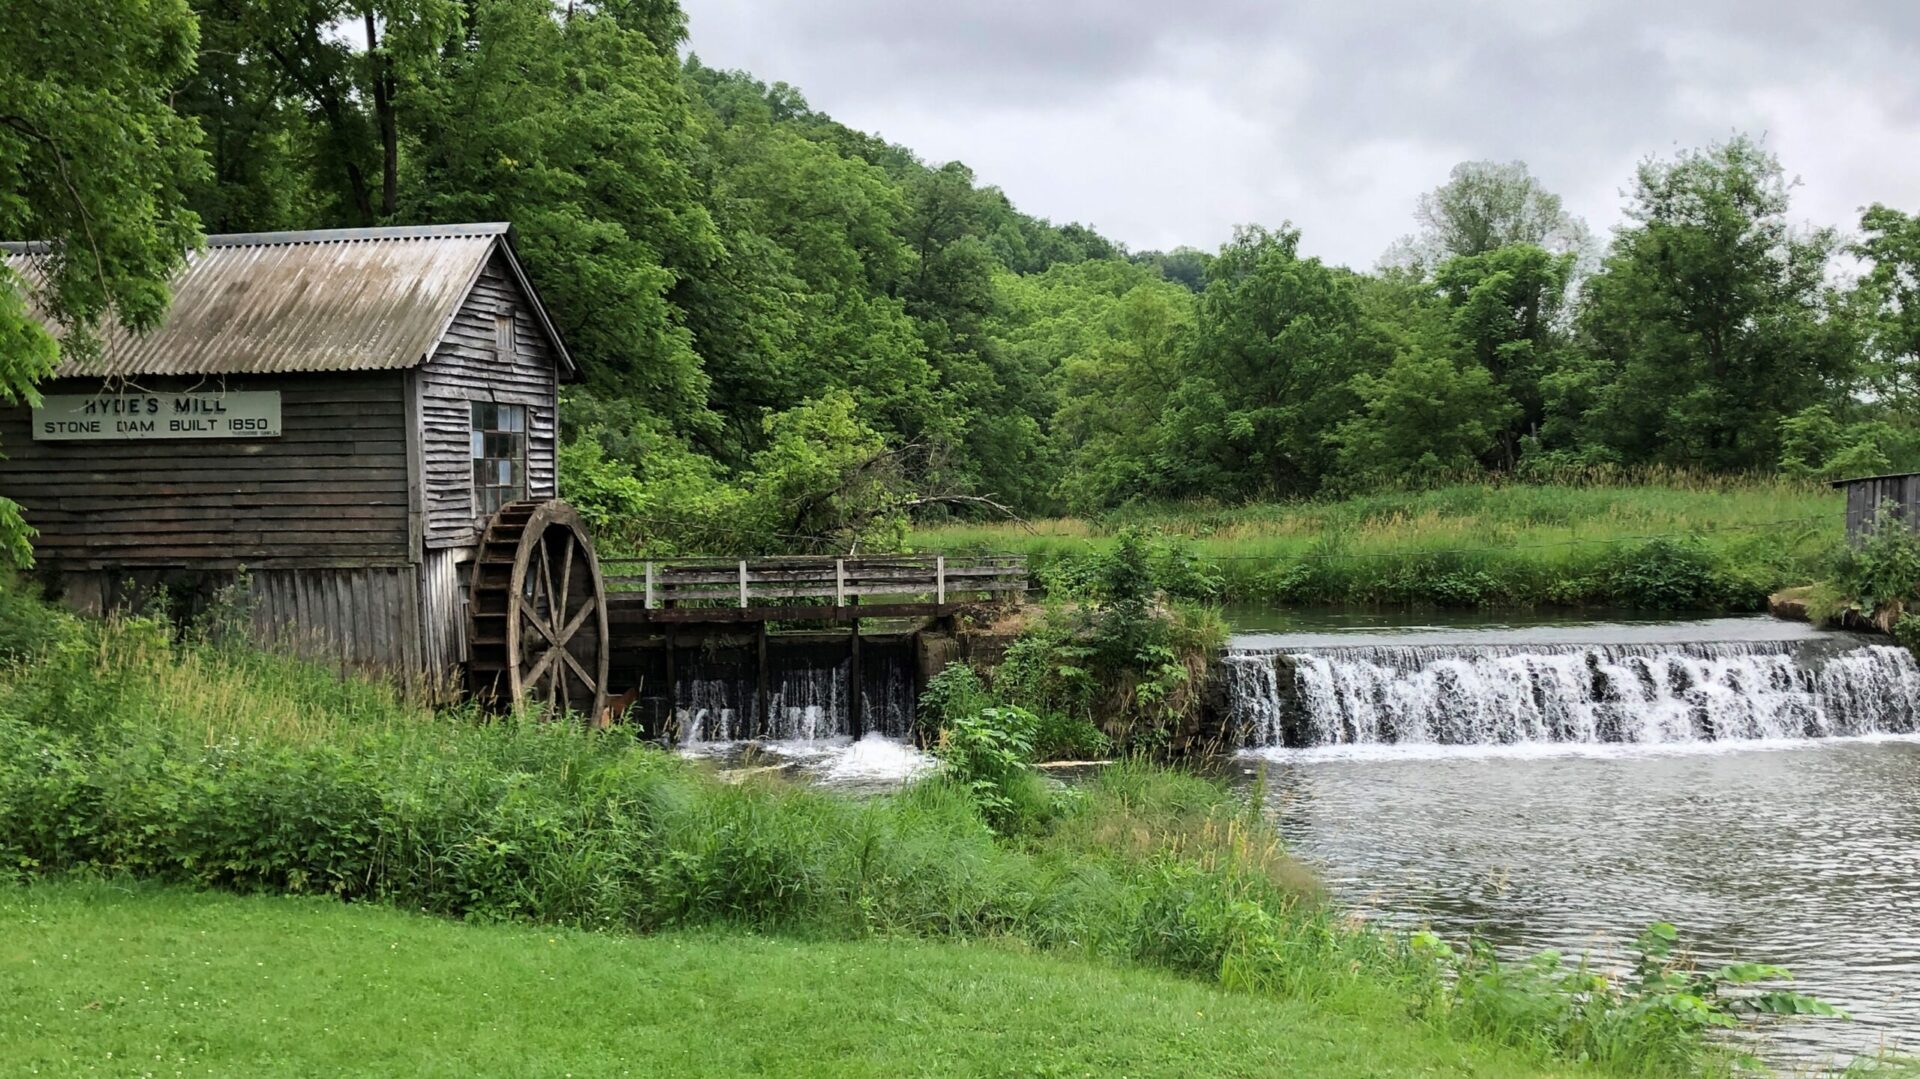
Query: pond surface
x=1798, y=851
x=1802, y=853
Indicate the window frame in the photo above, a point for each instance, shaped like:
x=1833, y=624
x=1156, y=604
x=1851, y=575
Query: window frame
x=488, y=497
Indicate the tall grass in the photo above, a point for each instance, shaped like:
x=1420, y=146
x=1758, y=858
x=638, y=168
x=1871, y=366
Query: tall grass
x=1480, y=544
x=122, y=752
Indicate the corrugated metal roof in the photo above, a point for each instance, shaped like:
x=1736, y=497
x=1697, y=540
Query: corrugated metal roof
x=334, y=300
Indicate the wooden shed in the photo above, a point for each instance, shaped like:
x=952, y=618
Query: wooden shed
x=335, y=412
x=1866, y=495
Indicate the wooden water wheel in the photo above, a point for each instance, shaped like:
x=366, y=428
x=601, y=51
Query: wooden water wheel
x=537, y=625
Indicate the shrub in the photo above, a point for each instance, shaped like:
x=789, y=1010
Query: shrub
x=1672, y=575
x=1884, y=569
x=989, y=754
x=1653, y=1018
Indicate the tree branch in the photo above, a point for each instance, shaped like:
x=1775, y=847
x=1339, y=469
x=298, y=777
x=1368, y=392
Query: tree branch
x=27, y=128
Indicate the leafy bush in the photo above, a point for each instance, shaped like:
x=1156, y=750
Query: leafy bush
x=1884, y=570
x=1906, y=633
x=1061, y=736
x=989, y=754
x=1114, y=653
x=1672, y=575
x=1652, y=1018
x=950, y=696
x=27, y=626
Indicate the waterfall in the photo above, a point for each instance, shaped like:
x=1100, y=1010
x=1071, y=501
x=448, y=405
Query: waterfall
x=1488, y=694
x=716, y=696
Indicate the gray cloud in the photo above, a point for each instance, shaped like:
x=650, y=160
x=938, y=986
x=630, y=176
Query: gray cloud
x=1165, y=125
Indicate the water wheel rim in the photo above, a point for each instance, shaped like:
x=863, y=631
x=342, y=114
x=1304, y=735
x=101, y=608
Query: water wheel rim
x=556, y=625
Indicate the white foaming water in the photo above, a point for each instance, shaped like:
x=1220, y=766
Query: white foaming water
x=877, y=759
x=1477, y=694
x=804, y=704
x=875, y=762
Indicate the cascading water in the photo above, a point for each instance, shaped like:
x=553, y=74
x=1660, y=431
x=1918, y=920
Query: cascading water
x=716, y=697
x=1479, y=693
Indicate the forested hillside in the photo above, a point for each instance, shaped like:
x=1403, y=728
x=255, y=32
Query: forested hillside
x=798, y=335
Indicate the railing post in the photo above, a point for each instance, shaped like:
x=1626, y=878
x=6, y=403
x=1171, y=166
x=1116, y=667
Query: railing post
x=649, y=599
x=940, y=580
x=839, y=582
x=743, y=582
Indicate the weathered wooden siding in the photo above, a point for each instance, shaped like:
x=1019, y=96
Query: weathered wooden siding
x=331, y=490
x=1864, y=497
x=363, y=619
x=468, y=367
x=443, y=599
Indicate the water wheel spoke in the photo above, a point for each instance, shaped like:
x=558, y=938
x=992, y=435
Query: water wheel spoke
x=573, y=624
x=579, y=671
x=555, y=604
x=540, y=668
x=566, y=580
x=539, y=626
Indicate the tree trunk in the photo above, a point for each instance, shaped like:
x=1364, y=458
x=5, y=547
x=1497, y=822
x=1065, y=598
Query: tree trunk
x=381, y=68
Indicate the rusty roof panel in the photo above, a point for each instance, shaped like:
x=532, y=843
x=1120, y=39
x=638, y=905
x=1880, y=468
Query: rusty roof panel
x=338, y=300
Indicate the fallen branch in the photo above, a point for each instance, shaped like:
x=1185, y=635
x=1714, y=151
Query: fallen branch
x=971, y=500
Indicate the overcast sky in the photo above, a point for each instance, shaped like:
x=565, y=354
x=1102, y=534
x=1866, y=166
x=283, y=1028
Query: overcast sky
x=1164, y=124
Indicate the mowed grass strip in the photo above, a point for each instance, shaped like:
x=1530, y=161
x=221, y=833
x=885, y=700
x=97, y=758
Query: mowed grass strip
x=100, y=978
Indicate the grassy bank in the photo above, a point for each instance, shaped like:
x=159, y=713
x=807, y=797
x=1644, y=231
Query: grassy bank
x=1675, y=544
x=115, y=979
x=126, y=755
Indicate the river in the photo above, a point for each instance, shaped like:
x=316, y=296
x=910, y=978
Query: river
x=1538, y=833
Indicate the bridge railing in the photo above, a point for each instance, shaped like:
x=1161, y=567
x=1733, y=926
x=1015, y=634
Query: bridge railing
x=663, y=584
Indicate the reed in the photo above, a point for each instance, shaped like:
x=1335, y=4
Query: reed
x=1476, y=544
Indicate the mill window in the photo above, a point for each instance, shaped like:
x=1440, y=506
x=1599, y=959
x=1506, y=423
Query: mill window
x=499, y=455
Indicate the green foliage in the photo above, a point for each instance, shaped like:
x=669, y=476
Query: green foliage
x=1814, y=443
x=729, y=265
x=989, y=754
x=578, y=131
x=957, y=700
x=1654, y=1018
x=1279, y=337
x=951, y=696
x=1422, y=419
x=1889, y=305
x=1114, y=655
x=1717, y=544
x=1883, y=572
x=95, y=161
x=1906, y=633
x=1670, y=575
x=1713, y=313
x=824, y=481
x=1485, y=206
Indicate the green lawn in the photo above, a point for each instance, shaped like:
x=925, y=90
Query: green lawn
x=138, y=980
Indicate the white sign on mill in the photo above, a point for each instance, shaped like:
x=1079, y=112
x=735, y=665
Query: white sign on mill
x=197, y=414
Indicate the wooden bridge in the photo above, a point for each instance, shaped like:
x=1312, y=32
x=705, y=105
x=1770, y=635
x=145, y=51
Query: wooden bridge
x=657, y=610
x=709, y=590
